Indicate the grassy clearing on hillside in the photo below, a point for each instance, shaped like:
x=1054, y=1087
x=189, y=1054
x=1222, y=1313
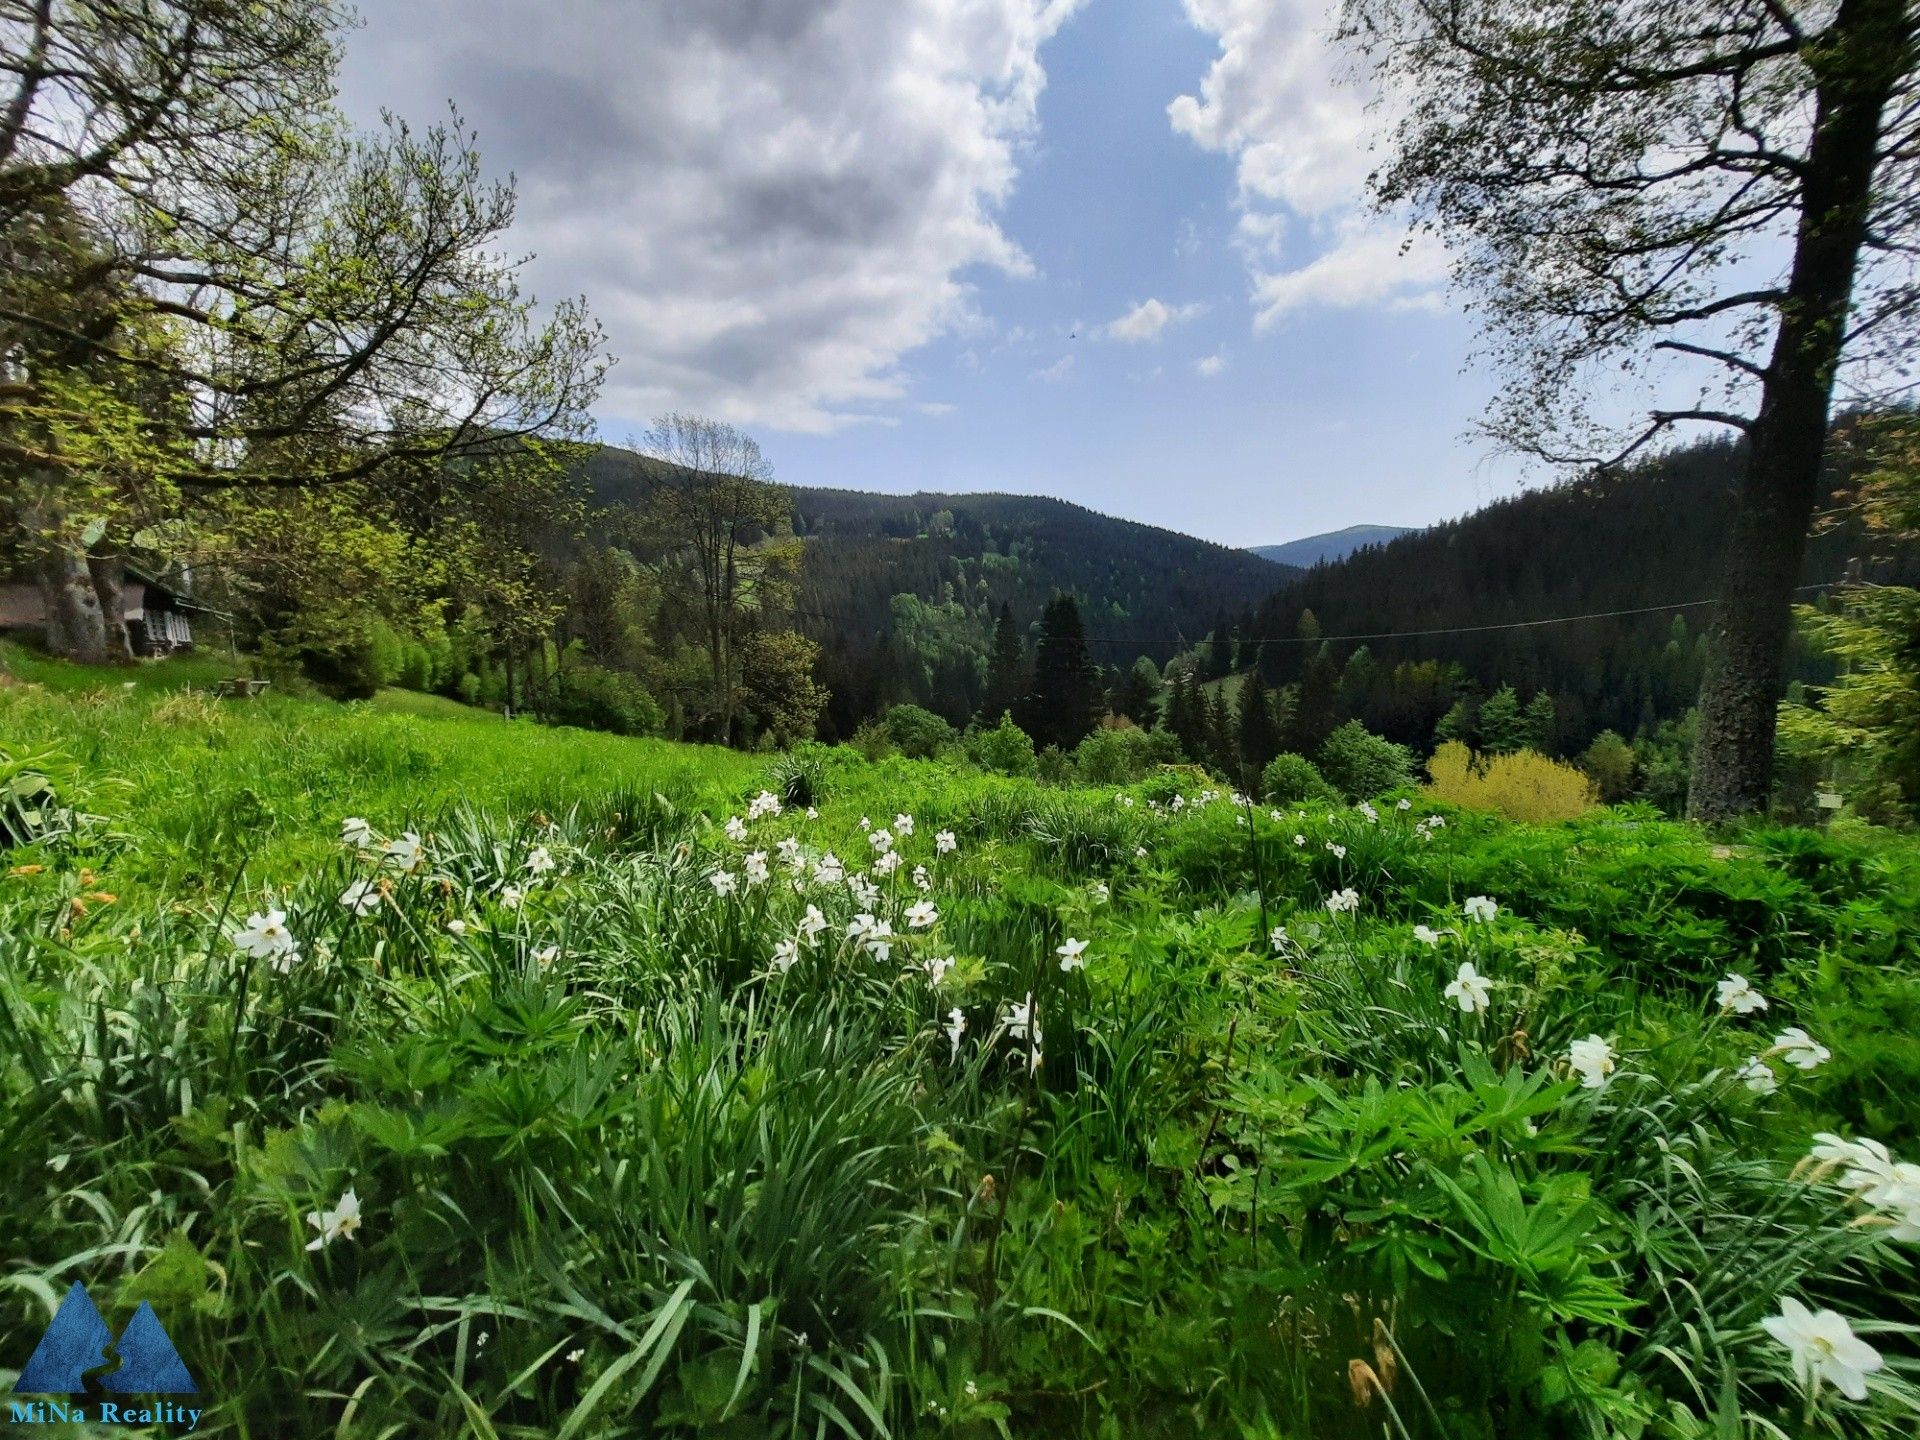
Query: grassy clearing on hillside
x=628, y=1103
x=192, y=787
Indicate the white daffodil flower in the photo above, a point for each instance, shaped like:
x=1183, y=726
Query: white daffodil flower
x=1592, y=1060
x=1823, y=1349
x=1470, y=990
x=266, y=937
x=406, y=852
x=362, y=897
x=339, y=1223
x=812, y=923
x=1800, y=1049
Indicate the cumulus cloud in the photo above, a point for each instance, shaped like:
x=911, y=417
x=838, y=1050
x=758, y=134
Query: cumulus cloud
x=1209, y=366
x=1058, y=370
x=767, y=202
x=1148, y=319
x=1280, y=101
x=1366, y=266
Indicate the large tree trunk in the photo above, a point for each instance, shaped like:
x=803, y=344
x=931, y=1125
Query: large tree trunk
x=107, y=569
x=1856, y=69
x=76, y=624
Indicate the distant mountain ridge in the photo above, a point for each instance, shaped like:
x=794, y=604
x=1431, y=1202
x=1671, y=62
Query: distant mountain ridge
x=1314, y=550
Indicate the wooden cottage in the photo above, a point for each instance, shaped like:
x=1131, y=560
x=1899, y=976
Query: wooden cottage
x=157, y=614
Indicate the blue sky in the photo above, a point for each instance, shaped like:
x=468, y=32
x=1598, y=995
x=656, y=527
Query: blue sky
x=967, y=245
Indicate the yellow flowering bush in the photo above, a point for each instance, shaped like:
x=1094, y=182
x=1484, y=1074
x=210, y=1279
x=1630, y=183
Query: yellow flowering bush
x=1522, y=786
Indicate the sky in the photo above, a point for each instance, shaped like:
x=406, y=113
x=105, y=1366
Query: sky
x=1114, y=251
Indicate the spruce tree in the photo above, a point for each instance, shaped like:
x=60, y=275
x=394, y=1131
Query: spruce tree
x=1259, y=741
x=1138, y=694
x=1006, y=668
x=1222, y=751
x=1218, y=660
x=1542, y=724
x=1187, y=714
x=1066, y=684
x=1503, y=729
x=1313, y=709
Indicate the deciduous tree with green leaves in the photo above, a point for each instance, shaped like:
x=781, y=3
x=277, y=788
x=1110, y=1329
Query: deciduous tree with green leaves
x=1713, y=200
x=720, y=527
x=214, y=286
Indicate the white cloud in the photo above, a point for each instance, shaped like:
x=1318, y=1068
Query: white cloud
x=1280, y=101
x=1057, y=371
x=1210, y=365
x=767, y=202
x=1148, y=319
x=1366, y=266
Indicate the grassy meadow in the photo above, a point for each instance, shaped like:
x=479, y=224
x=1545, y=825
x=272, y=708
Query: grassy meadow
x=432, y=1074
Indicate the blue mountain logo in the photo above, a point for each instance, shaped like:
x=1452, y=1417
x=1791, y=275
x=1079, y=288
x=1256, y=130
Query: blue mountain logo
x=77, y=1340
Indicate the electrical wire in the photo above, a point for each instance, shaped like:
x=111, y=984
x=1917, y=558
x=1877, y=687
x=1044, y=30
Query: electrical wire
x=1161, y=640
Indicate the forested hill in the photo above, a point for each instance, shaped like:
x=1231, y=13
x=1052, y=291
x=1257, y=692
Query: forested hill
x=902, y=591
x=1645, y=536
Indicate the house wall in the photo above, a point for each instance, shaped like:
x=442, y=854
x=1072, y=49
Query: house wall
x=153, y=632
x=21, y=608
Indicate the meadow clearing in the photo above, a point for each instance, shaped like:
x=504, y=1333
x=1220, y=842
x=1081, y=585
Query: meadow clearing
x=436, y=1075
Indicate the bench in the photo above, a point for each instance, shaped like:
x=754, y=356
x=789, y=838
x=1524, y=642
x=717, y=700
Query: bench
x=240, y=687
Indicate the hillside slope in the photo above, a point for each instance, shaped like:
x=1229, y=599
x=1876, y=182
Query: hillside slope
x=957, y=559
x=1313, y=550
x=1649, y=536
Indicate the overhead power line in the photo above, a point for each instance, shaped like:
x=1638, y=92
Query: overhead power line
x=1398, y=634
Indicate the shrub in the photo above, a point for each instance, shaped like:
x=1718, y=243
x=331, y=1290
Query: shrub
x=1521, y=786
x=1006, y=749
x=872, y=741
x=1609, y=762
x=595, y=698
x=918, y=733
x=416, y=667
x=1121, y=756
x=1054, y=766
x=351, y=668
x=1360, y=764
x=1289, y=779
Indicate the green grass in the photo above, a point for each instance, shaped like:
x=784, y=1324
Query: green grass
x=195, y=787
x=200, y=670
x=434, y=707
x=627, y=1164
